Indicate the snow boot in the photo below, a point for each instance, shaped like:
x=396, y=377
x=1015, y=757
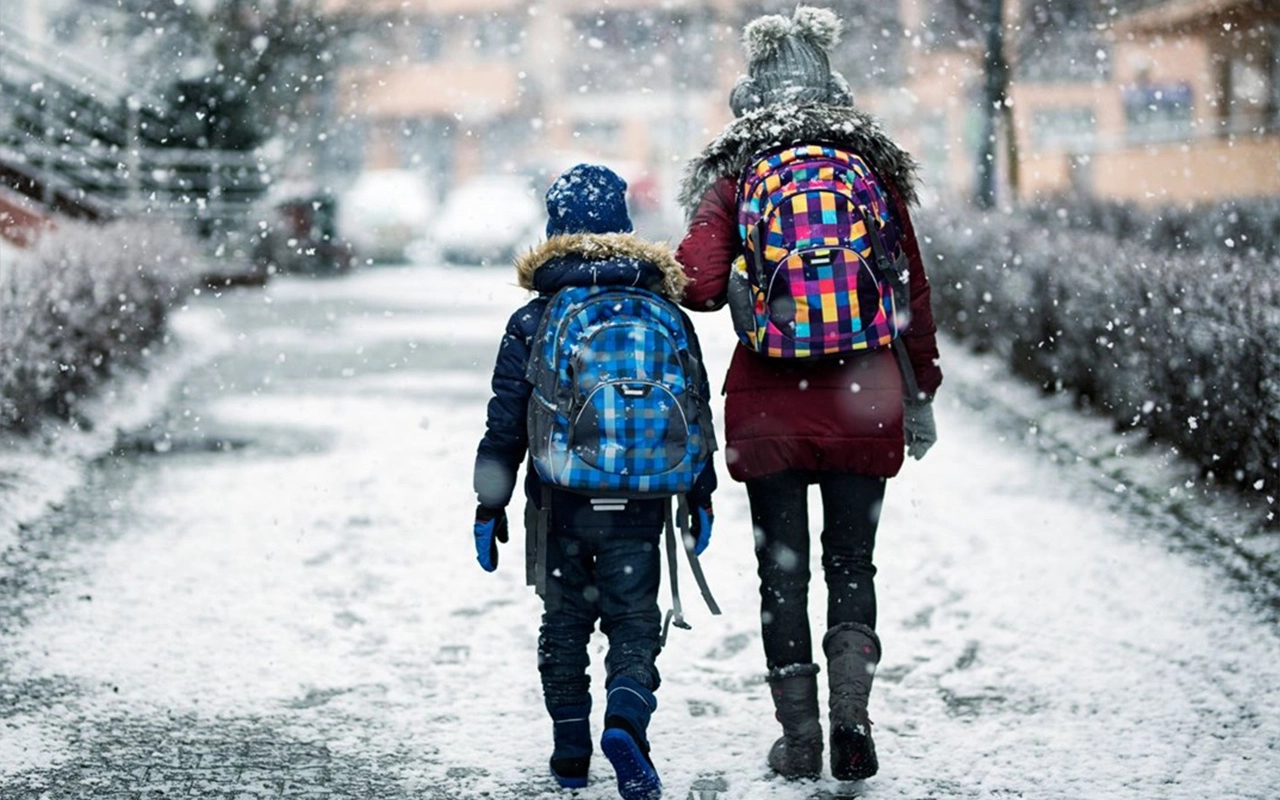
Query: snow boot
x=572, y=754
x=853, y=651
x=798, y=753
x=626, y=720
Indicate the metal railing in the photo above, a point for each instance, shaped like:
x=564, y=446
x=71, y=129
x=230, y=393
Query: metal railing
x=77, y=139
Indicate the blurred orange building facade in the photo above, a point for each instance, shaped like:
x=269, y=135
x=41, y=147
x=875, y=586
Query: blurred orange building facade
x=461, y=87
x=1183, y=107
x=1190, y=110
x=1173, y=103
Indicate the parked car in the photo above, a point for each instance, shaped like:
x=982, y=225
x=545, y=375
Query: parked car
x=488, y=220
x=385, y=212
x=300, y=236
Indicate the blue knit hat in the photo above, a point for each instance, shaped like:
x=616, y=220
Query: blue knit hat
x=587, y=199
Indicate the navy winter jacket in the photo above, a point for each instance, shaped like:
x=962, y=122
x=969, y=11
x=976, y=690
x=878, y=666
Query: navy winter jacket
x=611, y=259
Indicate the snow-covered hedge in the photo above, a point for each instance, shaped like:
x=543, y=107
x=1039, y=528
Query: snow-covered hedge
x=1185, y=346
x=1233, y=227
x=87, y=301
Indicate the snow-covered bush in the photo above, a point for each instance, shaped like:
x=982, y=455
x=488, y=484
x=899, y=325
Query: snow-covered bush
x=85, y=302
x=1238, y=226
x=1186, y=346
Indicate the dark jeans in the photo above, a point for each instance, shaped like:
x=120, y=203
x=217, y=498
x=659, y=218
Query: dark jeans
x=780, y=513
x=610, y=578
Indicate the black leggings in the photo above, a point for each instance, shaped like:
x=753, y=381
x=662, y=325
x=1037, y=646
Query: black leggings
x=780, y=513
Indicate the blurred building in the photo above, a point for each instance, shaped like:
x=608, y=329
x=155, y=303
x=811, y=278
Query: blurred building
x=1146, y=100
x=113, y=109
x=1149, y=101
x=462, y=87
x=1189, y=109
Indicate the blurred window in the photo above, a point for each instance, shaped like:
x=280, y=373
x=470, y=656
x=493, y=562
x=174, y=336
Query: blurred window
x=378, y=45
x=1249, y=94
x=430, y=40
x=634, y=50
x=497, y=35
x=931, y=129
x=675, y=133
x=1158, y=112
x=953, y=23
x=615, y=51
x=414, y=139
x=1072, y=129
x=64, y=26
x=871, y=51
x=1252, y=79
x=693, y=43
x=1247, y=80
x=598, y=136
x=503, y=139
x=1062, y=40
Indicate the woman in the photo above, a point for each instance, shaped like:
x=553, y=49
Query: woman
x=840, y=422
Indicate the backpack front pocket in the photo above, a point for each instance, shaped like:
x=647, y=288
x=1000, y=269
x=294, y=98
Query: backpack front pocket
x=630, y=426
x=824, y=299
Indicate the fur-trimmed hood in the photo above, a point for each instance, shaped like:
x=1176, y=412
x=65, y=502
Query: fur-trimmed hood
x=746, y=137
x=601, y=259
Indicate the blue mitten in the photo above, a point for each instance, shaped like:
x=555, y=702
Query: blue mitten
x=490, y=528
x=700, y=523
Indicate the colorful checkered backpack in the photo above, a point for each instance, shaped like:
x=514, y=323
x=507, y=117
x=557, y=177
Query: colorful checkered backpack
x=816, y=276
x=617, y=405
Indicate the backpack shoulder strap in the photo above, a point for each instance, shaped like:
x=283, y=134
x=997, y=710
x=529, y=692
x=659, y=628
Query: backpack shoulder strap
x=676, y=613
x=908, y=371
x=695, y=565
x=538, y=343
x=537, y=522
x=896, y=271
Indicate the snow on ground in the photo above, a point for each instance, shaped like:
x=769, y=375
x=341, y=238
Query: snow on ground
x=318, y=579
x=36, y=473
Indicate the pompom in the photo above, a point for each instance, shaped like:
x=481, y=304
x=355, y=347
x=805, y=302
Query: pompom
x=820, y=26
x=763, y=35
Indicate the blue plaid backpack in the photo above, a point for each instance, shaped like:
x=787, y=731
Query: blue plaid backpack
x=618, y=411
x=617, y=406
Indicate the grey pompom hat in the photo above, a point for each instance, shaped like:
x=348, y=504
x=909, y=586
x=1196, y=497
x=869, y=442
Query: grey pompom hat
x=787, y=62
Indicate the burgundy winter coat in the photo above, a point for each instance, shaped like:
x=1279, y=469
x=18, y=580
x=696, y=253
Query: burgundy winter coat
x=841, y=415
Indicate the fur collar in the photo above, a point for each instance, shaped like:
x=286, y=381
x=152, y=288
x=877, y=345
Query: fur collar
x=605, y=247
x=779, y=125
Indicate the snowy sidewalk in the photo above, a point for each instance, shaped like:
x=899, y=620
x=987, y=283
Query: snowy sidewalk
x=284, y=602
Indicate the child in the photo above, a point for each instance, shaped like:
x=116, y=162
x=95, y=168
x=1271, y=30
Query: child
x=601, y=559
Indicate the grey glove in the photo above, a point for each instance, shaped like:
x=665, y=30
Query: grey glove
x=918, y=426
